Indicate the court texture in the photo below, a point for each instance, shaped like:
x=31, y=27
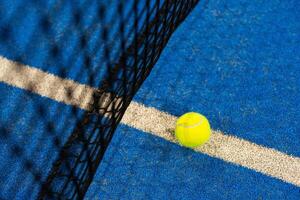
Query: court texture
x=237, y=62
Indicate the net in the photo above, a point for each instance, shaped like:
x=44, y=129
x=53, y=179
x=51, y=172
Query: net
x=92, y=55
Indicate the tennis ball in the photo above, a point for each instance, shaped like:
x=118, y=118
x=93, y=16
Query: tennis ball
x=192, y=129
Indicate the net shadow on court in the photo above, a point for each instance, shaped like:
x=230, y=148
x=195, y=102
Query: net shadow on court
x=110, y=46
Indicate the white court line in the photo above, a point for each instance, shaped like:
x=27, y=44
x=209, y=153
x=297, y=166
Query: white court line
x=228, y=148
x=45, y=84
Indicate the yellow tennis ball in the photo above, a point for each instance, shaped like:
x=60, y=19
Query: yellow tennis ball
x=192, y=129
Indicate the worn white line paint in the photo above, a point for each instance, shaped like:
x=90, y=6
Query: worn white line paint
x=228, y=148
x=45, y=84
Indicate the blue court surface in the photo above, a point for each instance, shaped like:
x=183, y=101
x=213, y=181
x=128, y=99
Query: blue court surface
x=237, y=62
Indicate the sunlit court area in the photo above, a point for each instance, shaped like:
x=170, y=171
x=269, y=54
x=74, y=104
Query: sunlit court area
x=149, y=99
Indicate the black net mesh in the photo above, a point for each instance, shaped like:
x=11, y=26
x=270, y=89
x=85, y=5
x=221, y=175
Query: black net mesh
x=108, y=45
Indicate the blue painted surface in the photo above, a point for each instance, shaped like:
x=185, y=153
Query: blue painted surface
x=234, y=61
x=138, y=165
x=62, y=38
x=237, y=62
x=29, y=126
x=65, y=37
